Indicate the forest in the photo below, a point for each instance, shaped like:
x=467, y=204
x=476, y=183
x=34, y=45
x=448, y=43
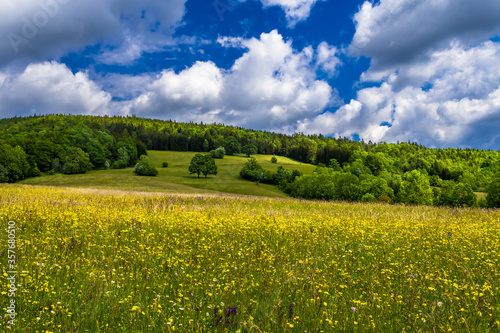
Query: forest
x=347, y=170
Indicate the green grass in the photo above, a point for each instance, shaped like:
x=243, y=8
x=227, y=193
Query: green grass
x=176, y=178
x=116, y=261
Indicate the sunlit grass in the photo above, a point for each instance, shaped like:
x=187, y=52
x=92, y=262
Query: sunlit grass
x=134, y=262
x=176, y=178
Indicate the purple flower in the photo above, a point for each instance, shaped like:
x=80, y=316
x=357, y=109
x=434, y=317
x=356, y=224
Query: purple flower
x=353, y=309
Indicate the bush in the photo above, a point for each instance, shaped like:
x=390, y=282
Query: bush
x=384, y=197
x=164, y=164
x=368, y=197
x=119, y=164
x=218, y=153
x=144, y=167
x=274, y=159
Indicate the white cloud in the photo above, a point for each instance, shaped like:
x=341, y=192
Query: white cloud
x=327, y=58
x=450, y=99
x=36, y=30
x=182, y=95
x=295, y=10
x=50, y=88
x=270, y=86
x=392, y=32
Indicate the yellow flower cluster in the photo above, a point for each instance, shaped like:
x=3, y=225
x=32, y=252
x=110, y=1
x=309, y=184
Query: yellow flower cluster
x=137, y=262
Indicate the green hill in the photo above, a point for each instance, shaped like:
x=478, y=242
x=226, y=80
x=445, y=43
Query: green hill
x=347, y=170
x=176, y=178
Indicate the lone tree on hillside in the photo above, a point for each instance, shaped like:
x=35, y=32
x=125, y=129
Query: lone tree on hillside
x=203, y=164
x=249, y=149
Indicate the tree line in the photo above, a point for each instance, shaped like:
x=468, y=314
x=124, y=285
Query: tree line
x=30, y=146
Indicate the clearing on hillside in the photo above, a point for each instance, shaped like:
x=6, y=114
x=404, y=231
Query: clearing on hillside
x=176, y=178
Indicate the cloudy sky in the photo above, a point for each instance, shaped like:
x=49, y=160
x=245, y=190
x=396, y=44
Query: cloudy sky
x=420, y=70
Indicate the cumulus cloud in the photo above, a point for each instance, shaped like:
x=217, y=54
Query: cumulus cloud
x=393, y=32
x=35, y=30
x=50, y=87
x=295, y=10
x=327, y=58
x=269, y=86
x=450, y=99
x=188, y=94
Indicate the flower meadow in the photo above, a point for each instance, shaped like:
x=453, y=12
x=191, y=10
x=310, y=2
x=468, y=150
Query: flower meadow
x=109, y=261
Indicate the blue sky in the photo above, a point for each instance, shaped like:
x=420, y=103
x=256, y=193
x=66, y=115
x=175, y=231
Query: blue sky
x=388, y=70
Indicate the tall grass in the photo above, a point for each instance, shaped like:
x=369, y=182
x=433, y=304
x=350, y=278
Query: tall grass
x=103, y=261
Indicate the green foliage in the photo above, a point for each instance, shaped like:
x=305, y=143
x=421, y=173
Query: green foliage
x=119, y=164
x=368, y=197
x=253, y=171
x=464, y=196
x=316, y=186
x=97, y=153
x=218, y=153
x=454, y=195
x=334, y=164
x=274, y=159
x=75, y=161
x=249, y=149
x=14, y=163
x=203, y=164
x=415, y=189
x=493, y=197
x=232, y=146
x=44, y=141
x=145, y=168
x=164, y=164
x=206, y=145
x=4, y=174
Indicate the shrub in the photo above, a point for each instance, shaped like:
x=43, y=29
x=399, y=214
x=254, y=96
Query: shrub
x=384, y=197
x=274, y=159
x=144, y=167
x=119, y=164
x=164, y=164
x=218, y=153
x=368, y=197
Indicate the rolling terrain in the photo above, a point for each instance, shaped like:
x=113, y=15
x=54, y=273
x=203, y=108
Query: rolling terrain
x=176, y=178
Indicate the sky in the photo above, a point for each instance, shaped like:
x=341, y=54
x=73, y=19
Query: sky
x=425, y=71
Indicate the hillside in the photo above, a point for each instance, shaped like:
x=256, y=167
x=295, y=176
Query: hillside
x=347, y=170
x=176, y=178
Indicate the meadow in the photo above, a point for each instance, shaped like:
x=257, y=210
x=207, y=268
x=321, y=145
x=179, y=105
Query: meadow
x=176, y=178
x=117, y=261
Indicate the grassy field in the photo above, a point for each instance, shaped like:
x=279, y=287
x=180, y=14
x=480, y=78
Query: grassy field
x=108, y=261
x=176, y=178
